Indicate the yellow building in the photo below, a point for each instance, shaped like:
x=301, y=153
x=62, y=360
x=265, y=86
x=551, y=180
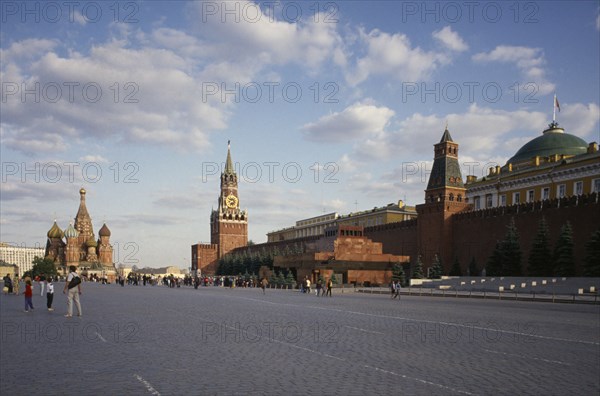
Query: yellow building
x=315, y=226
x=554, y=165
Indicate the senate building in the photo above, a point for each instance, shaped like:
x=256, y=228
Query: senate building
x=554, y=176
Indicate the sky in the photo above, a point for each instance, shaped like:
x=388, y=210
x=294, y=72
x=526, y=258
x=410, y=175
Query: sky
x=330, y=106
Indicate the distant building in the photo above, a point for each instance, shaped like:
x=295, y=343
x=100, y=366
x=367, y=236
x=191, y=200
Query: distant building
x=78, y=246
x=20, y=256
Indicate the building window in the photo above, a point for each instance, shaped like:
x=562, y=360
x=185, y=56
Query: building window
x=596, y=186
x=562, y=189
x=546, y=193
x=488, y=201
x=516, y=198
x=578, y=188
x=530, y=196
x=476, y=202
x=451, y=197
x=503, y=200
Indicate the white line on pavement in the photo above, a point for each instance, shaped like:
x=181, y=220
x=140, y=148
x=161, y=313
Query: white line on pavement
x=529, y=357
x=147, y=385
x=366, y=331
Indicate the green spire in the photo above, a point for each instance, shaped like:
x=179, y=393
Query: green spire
x=229, y=170
x=446, y=136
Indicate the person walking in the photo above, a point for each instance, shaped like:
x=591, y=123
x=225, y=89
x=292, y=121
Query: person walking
x=16, y=284
x=73, y=285
x=263, y=284
x=49, y=293
x=42, y=282
x=329, y=287
x=8, y=285
x=396, y=287
x=28, y=295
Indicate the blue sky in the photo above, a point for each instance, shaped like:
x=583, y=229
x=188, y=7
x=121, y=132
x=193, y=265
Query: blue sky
x=326, y=111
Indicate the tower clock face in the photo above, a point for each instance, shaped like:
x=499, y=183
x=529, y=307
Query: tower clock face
x=231, y=201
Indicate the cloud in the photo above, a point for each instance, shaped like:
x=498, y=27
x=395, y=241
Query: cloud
x=581, y=120
x=450, y=39
x=357, y=121
x=529, y=61
x=393, y=55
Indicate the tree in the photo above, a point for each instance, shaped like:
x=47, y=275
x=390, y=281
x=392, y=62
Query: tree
x=493, y=266
x=455, y=270
x=473, y=270
x=251, y=243
x=564, y=261
x=437, y=270
x=511, y=251
x=289, y=279
x=398, y=273
x=280, y=279
x=41, y=266
x=540, y=257
x=417, y=271
x=591, y=265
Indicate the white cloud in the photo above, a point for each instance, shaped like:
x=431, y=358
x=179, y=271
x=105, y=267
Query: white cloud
x=529, y=61
x=450, y=39
x=356, y=121
x=392, y=54
x=581, y=120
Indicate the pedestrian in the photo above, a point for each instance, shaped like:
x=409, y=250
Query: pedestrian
x=16, y=284
x=49, y=293
x=73, y=285
x=307, y=285
x=28, y=295
x=319, y=287
x=329, y=287
x=392, y=289
x=396, y=288
x=42, y=281
x=8, y=286
x=263, y=284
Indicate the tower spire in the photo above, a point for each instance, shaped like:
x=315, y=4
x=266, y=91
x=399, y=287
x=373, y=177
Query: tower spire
x=229, y=169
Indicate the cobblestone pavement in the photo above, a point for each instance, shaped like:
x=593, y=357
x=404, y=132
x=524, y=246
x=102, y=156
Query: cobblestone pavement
x=154, y=340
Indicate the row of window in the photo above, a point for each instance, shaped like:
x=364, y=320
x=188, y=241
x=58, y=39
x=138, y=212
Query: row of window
x=561, y=192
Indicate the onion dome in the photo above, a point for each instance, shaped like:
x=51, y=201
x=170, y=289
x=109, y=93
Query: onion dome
x=91, y=242
x=553, y=141
x=55, y=231
x=104, y=231
x=71, y=232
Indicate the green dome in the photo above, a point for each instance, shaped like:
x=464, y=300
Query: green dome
x=71, y=232
x=55, y=231
x=553, y=141
x=91, y=242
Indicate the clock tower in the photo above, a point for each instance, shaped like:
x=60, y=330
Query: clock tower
x=228, y=223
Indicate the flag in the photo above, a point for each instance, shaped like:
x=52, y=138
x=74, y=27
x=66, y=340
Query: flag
x=556, y=104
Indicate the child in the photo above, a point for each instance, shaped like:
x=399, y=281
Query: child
x=28, y=295
x=49, y=293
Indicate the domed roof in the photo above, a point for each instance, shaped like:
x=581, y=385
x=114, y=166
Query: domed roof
x=55, y=231
x=71, y=232
x=104, y=231
x=553, y=141
x=91, y=242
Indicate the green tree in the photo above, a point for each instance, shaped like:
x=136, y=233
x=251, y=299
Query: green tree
x=455, y=270
x=473, y=270
x=290, y=280
x=437, y=270
x=564, y=261
x=591, y=265
x=417, y=271
x=398, y=273
x=511, y=251
x=280, y=279
x=540, y=257
x=41, y=266
x=493, y=266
